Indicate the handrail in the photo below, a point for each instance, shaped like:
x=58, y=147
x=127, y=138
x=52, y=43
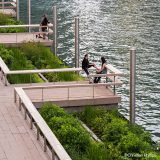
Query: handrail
x=3, y=66
x=114, y=72
x=25, y=25
x=56, y=147
x=73, y=85
x=7, y=2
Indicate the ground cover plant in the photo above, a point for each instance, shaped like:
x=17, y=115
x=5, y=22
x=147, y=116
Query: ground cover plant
x=43, y=58
x=119, y=136
x=74, y=138
x=8, y=20
x=15, y=60
x=34, y=55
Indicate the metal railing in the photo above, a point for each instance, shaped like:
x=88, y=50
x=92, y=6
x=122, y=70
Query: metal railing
x=28, y=35
x=49, y=139
x=6, y=71
x=49, y=93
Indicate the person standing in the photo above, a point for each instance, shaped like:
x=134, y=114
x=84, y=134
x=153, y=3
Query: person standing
x=102, y=70
x=43, y=26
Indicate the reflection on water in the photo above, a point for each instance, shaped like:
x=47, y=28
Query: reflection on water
x=110, y=28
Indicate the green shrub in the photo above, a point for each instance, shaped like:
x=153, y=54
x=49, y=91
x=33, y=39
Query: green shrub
x=42, y=57
x=132, y=143
x=72, y=135
x=118, y=134
x=113, y=131
x=15, y=60
x=49, y=110
x=7, y=20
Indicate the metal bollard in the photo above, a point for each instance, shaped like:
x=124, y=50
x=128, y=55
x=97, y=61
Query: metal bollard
x=54, y=29
x=76, y=42
x=132, y=84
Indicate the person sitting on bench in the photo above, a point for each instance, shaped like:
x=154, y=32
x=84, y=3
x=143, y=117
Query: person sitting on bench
x=102, y=70
x=86, y=64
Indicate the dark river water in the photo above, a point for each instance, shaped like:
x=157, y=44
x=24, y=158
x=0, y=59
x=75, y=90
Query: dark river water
x=109, y=28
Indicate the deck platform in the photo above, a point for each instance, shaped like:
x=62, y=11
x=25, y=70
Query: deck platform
x=17, y=141
x=15, y=39
x=70, y=95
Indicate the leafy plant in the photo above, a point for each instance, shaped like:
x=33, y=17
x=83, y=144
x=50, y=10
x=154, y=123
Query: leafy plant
x=118, y=134
x=16, y=60
x=8, y=20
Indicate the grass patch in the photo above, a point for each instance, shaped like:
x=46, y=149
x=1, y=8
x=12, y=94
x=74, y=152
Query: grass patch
x=8, y=20
x=16, y=60
x=43, y=58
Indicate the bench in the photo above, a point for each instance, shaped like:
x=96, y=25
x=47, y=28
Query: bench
x=112, y=75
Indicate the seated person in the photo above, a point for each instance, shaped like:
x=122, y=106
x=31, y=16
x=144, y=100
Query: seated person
x=102, y=70
x=86, y=64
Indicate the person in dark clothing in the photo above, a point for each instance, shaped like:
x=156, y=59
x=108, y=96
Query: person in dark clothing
x=86, y=64
x=43, y=24
x=102, y=70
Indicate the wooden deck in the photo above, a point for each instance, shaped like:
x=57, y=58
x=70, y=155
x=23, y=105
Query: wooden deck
x=15, y=39
x=17, y=141
x=69, y=95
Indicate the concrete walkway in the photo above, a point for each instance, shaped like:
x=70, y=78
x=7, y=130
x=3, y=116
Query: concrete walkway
x=17, y=141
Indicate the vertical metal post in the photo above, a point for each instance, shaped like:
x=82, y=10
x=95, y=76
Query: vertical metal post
x=53, y=154
x=68, y=93
x=45, y=144
x=114, y=85
x=15, y=96
x=5, y=79
x=31, y=123
x=55, y=29
x=38, y=132
x=76, y=42
x=42, y=95
x=29, y=14
x=17, y=9
x=3, y=4
x=20, y=103
x=25, y=113
x=132, y=84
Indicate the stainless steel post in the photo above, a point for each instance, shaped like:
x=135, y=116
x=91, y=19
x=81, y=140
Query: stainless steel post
x=76, y=42
x=3, y=5
x=17, y=9
x=29, y=14
x=55, y=30
x=132, y=84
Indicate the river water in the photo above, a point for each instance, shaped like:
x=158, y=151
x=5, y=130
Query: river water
x=109, y=28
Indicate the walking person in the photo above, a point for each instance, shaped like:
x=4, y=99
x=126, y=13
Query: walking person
x=102, y=70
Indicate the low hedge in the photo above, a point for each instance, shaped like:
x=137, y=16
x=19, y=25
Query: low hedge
x=119, y=136
x=72, y=135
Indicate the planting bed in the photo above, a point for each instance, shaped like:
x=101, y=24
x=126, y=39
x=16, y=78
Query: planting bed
x=8, y=20
x=30, y=56
x=119, y=136
x=75, y=139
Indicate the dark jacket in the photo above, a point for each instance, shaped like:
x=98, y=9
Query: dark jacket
x=85, y=63
x=44, y=23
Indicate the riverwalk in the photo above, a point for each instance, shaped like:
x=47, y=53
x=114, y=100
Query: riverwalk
x=17, y=141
